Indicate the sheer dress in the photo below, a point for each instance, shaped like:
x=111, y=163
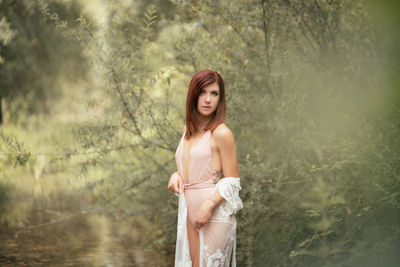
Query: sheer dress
x=218, y=236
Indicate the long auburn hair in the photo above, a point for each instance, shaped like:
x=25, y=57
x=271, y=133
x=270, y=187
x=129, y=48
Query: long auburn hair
x=199, y=81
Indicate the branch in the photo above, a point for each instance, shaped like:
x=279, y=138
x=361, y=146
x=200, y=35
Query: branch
x=34, y=227
x=265, y=29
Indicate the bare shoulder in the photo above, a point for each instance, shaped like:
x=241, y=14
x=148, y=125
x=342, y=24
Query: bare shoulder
x=223, y=135
x=222, y=130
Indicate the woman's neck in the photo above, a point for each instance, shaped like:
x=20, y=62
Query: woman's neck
x=203, y=121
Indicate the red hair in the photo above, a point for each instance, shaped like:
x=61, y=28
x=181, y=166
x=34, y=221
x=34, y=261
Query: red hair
x=199, y=81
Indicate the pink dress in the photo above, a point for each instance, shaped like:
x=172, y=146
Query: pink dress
x=218, y=236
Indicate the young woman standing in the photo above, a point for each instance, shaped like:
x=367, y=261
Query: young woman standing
x=206, y=231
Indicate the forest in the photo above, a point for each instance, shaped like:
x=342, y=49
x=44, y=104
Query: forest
x=92, y=105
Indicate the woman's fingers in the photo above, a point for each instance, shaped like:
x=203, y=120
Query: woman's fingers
x=179, y=187
x=199, y=225
x=171, y=185
x=175, y=184
x=171, y=188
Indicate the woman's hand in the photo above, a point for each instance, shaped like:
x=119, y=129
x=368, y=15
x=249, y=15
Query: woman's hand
x=204, y=213
x=175, y=183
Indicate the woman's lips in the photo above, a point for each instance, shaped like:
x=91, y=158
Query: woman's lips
x=206, y=107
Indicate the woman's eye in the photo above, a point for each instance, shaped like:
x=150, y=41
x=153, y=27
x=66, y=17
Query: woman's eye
x=215, y=93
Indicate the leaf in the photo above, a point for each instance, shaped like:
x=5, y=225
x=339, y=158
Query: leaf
x=366, y=208
x=295, y=253
x=312, y=213
x=304, y=242
x=389, y=196
x=337, y=200
x=323, y=224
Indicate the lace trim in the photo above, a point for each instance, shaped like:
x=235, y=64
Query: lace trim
x=229, y=188
x=216, y=259
x=219, y=258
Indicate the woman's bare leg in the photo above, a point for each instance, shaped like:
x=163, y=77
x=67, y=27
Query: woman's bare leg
x=194, y=244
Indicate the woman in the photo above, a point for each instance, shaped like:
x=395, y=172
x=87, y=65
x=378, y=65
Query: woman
x=206, y=232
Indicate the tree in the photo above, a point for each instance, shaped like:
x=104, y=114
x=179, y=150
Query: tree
x=34, y=56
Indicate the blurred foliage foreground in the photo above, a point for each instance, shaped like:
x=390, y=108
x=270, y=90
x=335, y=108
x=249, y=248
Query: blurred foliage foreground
x=92, y=105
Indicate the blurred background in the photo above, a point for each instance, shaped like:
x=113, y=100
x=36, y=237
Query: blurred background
x=92, y=105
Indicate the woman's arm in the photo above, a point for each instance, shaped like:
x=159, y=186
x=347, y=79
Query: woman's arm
x=226, y=146
x=175, y=180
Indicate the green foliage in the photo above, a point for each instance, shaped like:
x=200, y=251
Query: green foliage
x=34, y=58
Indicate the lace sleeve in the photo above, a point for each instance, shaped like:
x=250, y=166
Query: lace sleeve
x=229, y=188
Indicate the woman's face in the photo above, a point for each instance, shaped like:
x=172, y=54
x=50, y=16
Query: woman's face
x=208, y=100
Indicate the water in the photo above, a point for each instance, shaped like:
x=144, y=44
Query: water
x=84, y=240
